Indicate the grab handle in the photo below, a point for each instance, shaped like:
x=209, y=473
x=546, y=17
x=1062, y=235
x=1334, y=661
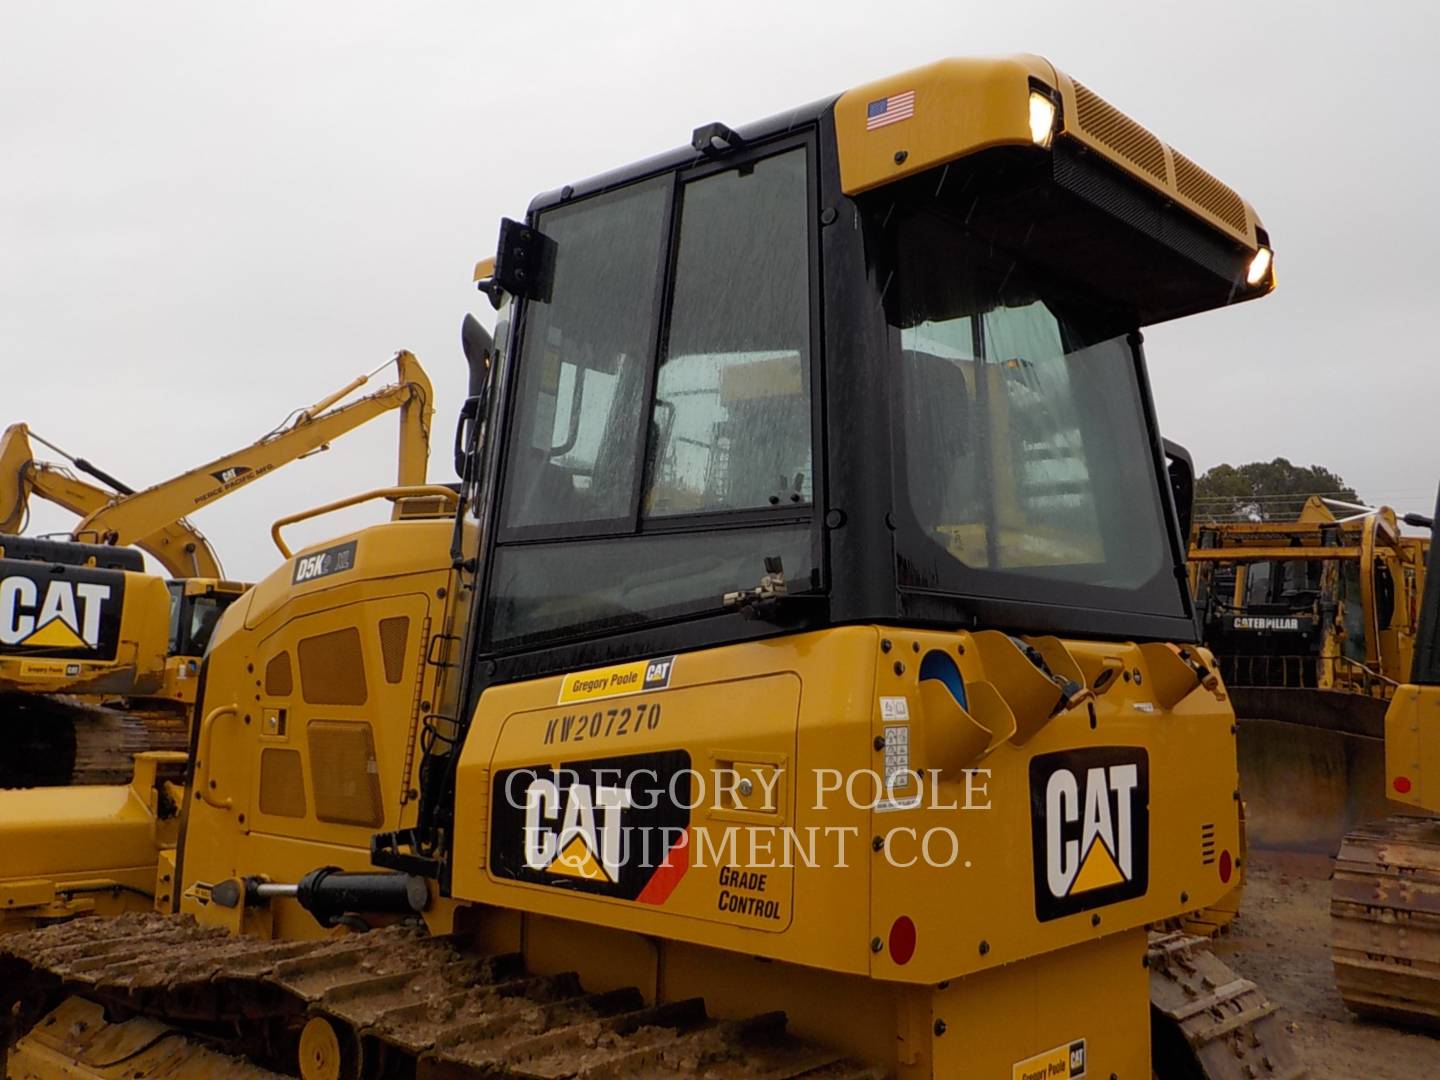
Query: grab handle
x=204, y=782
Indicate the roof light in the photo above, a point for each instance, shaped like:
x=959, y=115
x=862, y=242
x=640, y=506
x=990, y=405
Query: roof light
x=1042, y=118
x=1259, y=266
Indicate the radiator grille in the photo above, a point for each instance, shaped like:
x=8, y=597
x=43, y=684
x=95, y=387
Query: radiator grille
x=1107, y=124
x=282, y=783
x=394, y=634
x=344, y=772
x=1207, y=844
x=1199, y=186
x=332, y=668
x=279, y=680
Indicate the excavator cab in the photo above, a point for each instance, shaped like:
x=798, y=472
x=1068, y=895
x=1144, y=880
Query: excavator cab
x=196, y=605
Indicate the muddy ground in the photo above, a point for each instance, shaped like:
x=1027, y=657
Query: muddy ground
x=1282, y=941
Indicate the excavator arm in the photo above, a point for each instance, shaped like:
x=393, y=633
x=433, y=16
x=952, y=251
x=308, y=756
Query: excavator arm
x=154, y=519
x=177, y=545
x=21, y=474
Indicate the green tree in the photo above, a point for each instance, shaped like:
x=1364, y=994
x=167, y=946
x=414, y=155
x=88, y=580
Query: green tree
x=1264, y=490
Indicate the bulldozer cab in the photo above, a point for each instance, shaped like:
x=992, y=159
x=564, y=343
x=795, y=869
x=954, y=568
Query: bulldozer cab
x=1316, y=602
x=925, y=407
x=769, y=384
x=1313, y=622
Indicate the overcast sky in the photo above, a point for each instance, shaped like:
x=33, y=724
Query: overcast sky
x=213, y=214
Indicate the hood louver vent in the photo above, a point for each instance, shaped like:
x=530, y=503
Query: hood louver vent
x=1107, y=124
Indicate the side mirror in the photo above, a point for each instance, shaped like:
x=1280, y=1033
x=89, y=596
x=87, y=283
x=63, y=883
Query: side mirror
x=479, y=349
x=1181, y=468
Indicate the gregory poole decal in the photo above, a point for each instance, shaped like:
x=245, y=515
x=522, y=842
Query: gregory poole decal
x=616, y=826
x=1065, y=1062
x=74, y=613
x=637, y=678
x=1090, y=828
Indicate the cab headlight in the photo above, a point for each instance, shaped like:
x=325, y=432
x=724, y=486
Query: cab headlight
x=1259, y=266
x=1042, y=118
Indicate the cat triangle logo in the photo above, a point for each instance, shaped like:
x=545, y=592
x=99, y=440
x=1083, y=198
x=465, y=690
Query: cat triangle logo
x=578, y=861
x=1090, y=816
x=1098, y=870
x=55, y=634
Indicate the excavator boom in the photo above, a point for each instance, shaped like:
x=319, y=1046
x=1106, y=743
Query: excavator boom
x=84, y=683
x=176, y=545
x=126, y=520
x=154, y=519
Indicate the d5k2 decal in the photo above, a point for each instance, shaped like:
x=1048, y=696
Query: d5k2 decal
x=615, y=826
x=1090, y=828
x=333, y=560
x=60, y=611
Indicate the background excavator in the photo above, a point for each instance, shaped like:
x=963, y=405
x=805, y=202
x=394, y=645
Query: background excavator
x=1313, y=623
x=502, y=791
x=83, y=627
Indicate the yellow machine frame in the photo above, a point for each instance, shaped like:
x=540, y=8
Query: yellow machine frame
x=1088, y=785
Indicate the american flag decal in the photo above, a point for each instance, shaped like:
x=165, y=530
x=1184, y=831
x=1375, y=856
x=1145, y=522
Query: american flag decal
x=889, y=110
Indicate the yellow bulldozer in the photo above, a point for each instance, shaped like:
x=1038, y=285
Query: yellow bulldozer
x=1313, y=623
x=1385, y=901
x=802, y=683
x=83, y=624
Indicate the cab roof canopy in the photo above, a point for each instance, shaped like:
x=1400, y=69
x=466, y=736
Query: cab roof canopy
x=1096, y=198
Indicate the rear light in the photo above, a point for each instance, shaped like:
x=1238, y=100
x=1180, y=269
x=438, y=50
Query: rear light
x=1227, y=867
x=1402, y=785
x=902, y=940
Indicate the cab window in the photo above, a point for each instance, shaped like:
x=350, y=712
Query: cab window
x=663, y=424
x=584, y=363
x=731, y=420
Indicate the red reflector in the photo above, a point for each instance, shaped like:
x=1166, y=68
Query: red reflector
x=902, y=940
x=1402, y=785
x=1227, y=867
